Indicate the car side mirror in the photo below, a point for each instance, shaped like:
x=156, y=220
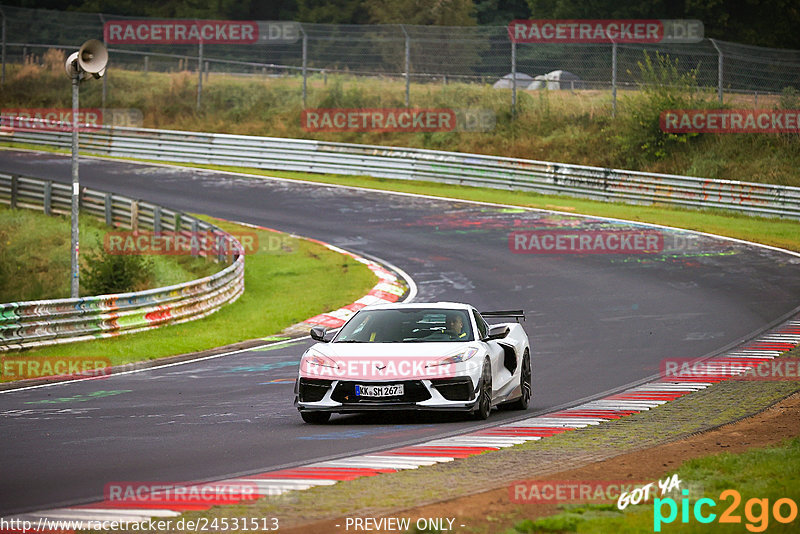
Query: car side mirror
x=318, y=333
x=498, y=332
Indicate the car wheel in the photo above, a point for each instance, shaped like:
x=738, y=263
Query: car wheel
x=484, y=407
x=524, y=383
x=315, y=418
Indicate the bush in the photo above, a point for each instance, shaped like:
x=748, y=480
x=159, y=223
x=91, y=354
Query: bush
x=789, y=99
x=104, y=273
x=637, y=132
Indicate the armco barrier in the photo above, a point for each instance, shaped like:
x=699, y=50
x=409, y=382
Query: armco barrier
x=48, y=322
x=419, y=164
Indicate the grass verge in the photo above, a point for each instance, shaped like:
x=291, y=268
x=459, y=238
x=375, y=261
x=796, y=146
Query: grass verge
x=35, y=256
x=760, y=476
x=284, y=284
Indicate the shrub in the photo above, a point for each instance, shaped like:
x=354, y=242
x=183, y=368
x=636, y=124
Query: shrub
x=636, y=132
x=103, y=273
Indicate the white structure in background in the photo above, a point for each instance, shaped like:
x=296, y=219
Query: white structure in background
x=523, y=80
x=557, y=79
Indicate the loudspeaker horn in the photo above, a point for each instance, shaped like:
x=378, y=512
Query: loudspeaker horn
x=72, y=65
x=93, y=57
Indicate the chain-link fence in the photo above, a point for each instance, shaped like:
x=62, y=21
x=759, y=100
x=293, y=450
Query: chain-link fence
x=417, y=54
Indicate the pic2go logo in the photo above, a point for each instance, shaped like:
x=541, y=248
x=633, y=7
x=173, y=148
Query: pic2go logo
x=756, y=511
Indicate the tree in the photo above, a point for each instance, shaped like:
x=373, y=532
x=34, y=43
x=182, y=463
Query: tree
x=500, y=12
x=332, y=11
x=422, y=12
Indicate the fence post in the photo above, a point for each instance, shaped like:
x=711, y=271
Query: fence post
x=407, y=63
x=199, y=73
x=108, y=206
x=719, y=70
x=305, y=66
x=614, y=79
x=3, y=75
x=146, y=64
x=105, y=78
x=48, y=197
x=513, y=78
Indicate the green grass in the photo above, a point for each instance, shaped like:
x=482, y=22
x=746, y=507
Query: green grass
x=575, y=127
x=283, y=286
x=771, y=473
x=35, y=256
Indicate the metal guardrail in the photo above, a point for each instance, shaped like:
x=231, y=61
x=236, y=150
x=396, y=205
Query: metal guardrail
x=49, y=322
x=429, y=165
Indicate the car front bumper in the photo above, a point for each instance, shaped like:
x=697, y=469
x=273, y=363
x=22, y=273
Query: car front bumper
x=338, y=396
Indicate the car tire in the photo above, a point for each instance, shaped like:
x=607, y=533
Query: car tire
x=315, y=418
x=484, y=406
x=525, y=384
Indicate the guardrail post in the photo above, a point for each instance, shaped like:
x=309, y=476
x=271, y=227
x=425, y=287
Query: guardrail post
x=222, y=248
x=109, y=207
x=146, y=64
x=48, y=197
x=14, y=190
x=134, y=215
x=157, y=219
x=193, y=241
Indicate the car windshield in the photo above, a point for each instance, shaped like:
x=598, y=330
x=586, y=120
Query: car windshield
x=407, y=325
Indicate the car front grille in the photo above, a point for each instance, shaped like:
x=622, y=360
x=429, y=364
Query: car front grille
x=413, y=391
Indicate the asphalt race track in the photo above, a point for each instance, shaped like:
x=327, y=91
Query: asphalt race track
x=596, y=322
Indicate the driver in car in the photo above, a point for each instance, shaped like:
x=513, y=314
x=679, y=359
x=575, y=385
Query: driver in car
x=455, y=326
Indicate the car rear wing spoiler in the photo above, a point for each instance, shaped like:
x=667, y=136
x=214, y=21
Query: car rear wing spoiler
x=514, y=314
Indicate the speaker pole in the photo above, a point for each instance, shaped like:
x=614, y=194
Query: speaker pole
x=91, y=59
x=75, y=281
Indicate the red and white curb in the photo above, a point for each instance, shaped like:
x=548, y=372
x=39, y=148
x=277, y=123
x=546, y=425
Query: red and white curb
x=389, y=289
x=327, y=473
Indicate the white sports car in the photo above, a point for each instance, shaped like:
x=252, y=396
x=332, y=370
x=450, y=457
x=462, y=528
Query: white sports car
x=434, y=356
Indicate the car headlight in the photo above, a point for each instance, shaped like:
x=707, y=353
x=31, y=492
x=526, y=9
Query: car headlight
x=313, y=358
x=460, y=356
